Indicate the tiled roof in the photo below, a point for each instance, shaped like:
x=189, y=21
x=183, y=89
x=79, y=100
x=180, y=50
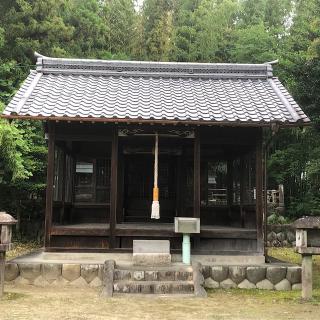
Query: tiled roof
x=111, y=90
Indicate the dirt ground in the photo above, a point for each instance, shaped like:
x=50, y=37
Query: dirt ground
x=68, y=303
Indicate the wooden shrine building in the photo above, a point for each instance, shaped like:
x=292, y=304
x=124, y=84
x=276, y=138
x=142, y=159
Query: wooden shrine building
x=101, y=118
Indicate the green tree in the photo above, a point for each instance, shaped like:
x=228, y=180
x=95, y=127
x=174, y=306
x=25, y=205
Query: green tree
x=34, y=25
x=120, y=17
x=253, y=44
x=90, y=31
x=157, y=29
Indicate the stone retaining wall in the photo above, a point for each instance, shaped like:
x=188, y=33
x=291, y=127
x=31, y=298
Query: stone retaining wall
x=281, y=235
x=273, y=277
x=78, y=275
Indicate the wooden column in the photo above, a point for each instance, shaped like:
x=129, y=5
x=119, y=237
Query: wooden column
x=114, y=187
x=259, y=194
x=264, y=150
x=63, y=196
x=179, y=185
x=230, y=187
x=50, y=181
x=196, y=175
x=243, y=185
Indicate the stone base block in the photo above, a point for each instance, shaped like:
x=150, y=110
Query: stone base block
x=151, y=259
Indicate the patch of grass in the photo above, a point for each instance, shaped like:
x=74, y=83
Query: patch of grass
x=268, y=296
x=9, y=296
x=285, y=254
x=288, y=255
x=21, y=248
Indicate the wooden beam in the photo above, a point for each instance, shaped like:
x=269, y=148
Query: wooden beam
x=259, y=194
x=114, y=186
x=76, y=231
x=196, y=175
x=50, y=178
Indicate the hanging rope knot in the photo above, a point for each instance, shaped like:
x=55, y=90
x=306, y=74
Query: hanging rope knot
x=155, y=208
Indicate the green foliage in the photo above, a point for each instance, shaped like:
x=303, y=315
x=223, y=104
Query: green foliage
x=254, y=44
x=276, y=218
x=12, y=148
x=120, y=16
x=156, y=22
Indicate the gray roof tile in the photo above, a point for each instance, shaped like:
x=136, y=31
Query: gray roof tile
x=71, y=88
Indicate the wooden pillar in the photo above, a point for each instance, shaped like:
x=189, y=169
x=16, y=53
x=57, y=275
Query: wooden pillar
x=114, y=187
x=230, y=182
x=243, y=186
x=120, y=195
x=63, y=196
x=259, y=195
x=196, y=175
x=179, y=185
x=264, y=150
x=196, y=183
x=50, y=181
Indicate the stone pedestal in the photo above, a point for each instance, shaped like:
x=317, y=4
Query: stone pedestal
x=2, y=267
x=151, y=252
x=306, y=277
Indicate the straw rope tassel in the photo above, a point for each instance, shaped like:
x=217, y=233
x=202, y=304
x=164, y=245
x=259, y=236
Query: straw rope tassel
x=155, y=209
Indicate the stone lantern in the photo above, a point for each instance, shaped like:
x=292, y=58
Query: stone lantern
x=6, y=223
x=307, y=244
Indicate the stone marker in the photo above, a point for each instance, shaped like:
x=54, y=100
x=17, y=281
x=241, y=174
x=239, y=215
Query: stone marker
x=107, y=282
x=151, y=252
x=307, y=244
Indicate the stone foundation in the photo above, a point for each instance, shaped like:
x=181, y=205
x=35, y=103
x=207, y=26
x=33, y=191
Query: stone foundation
x=273, y=277
x=53, y=274
x=267, y=276
x=281, y=235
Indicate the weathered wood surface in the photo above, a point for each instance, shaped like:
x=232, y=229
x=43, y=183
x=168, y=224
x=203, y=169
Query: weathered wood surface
x=50, y=178
x=114, y=186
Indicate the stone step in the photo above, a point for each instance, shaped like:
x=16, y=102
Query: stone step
x=154, y=287
x=155, y=295
x=153, y=275
x=171, y=267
